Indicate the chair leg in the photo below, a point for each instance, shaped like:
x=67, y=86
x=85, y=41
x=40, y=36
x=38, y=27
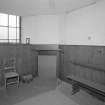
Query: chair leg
x=18, y=82
x=5, y=83
x=75, y=88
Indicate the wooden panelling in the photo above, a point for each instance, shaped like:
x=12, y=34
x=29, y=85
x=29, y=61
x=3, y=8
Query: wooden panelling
x=47, y=52
x=98, y=57
x=45, y=46
x=84, y=54
x=25, y=57
x=87, y=62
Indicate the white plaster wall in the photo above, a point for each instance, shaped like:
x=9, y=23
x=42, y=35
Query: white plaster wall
x=85, y=26
x=62, y=26
x=42, y=29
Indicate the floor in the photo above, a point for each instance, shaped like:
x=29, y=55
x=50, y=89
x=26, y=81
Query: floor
x=45, y=92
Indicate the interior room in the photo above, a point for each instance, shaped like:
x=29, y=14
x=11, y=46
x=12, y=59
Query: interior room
x=52, y=52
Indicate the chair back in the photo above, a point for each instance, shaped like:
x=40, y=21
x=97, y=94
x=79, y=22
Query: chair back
x=10, y=64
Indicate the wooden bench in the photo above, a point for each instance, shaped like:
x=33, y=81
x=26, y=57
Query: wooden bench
x=95, y=89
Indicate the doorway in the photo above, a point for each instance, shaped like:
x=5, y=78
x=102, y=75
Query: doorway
x=47, y=67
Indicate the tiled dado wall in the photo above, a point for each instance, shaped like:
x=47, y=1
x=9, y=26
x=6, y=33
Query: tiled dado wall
x=86, y=62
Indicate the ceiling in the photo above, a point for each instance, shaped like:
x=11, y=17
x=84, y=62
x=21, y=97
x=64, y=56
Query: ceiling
x=38, y=7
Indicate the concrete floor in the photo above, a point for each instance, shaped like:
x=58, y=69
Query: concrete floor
x=45, y=92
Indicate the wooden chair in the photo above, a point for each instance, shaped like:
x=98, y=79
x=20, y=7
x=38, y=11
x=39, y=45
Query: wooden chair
x=11, y=77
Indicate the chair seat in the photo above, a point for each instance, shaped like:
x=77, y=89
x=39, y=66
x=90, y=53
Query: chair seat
x=10, y=74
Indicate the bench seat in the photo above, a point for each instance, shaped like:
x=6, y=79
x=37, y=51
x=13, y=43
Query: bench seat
x=95, y=88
